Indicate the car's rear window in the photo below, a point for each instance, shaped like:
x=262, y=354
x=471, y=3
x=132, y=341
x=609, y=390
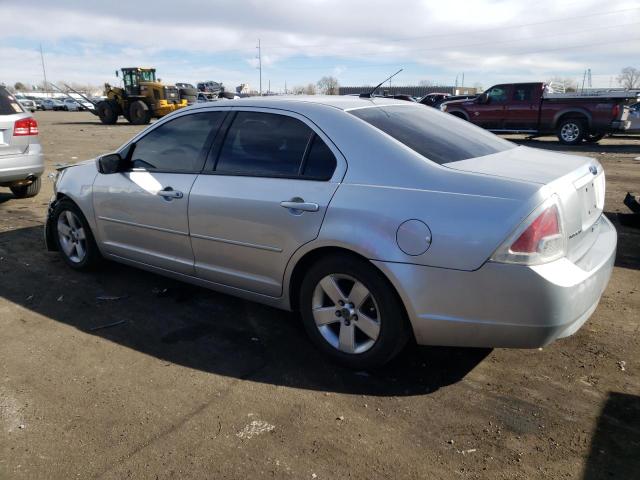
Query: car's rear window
x=437, y=136
x=8, y=103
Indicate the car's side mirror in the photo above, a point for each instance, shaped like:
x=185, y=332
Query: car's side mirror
x=483, y=98
x=111, y=163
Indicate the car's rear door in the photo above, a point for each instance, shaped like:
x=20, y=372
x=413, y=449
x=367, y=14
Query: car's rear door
x=523, y=109
x=272, y=177
x=142, y=213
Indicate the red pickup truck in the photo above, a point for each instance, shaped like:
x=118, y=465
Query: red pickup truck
x=534, y=109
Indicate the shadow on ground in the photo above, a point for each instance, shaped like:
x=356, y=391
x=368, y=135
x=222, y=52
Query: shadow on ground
x=204, y=330
x=615, y=446
x=628, y=228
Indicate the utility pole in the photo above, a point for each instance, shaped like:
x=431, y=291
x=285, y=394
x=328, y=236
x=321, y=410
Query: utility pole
x=285, y=87
x=462, y=80
x=44, y=72
x=269, y=88
x=260, y=64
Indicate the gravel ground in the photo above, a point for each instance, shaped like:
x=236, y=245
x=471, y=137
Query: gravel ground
x=196, y=384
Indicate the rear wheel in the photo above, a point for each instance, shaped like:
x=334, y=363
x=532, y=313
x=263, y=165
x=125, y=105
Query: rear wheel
x=352, y=313
x=139, y=113
x=73, y=236
x=571, y=131
x=27, y=191
x=107, y=112
x=593, y=137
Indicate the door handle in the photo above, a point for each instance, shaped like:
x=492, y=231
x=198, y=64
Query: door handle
x=300, y=205
x=169, y=193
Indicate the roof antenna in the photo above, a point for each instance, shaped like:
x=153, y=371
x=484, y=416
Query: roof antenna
x=370, y=94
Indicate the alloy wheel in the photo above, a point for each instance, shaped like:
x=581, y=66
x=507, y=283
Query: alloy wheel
x=570, y=132
x=346, y=313
x=71, y=234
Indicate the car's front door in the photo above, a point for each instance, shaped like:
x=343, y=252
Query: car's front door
x=490, y=115
x=274, y=176
x=141, y=214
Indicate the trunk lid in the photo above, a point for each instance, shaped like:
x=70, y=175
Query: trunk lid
x=10, y=145
x=579, y=182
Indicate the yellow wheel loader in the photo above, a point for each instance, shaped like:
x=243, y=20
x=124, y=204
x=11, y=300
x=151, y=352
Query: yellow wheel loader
x=142, y=98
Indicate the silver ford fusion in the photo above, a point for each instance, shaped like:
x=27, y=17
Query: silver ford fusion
x=379, y=220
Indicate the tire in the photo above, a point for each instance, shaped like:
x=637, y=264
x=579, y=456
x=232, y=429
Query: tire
x=27, y=191
x=73, y=237
x=593, y=137
x=571, y=131
x=189, y=94
x=139, y=113
x=344, y=339
x=107, y=112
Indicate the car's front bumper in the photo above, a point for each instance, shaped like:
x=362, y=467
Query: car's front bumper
x=22, y=166
x=505, y=305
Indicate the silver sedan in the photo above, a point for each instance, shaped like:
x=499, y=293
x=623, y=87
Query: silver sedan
x=380, y=221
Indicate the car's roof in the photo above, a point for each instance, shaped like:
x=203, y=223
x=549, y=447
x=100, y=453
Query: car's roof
x=342, y=102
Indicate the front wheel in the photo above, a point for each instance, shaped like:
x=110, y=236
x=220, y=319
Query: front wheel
x=352, y=313
x=73, y=236
x=139, y=113
x=571, y=131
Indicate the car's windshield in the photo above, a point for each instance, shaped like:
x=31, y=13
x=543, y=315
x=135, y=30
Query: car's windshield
x=437, y=136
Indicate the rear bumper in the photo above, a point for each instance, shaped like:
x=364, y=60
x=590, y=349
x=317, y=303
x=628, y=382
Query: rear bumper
x=21, y=166
x=505, y=305
x=620, y=125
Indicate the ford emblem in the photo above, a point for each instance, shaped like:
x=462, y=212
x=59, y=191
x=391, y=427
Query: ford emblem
x=593, y=169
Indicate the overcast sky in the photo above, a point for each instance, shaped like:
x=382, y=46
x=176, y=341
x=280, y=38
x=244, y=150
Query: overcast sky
x=357, y=41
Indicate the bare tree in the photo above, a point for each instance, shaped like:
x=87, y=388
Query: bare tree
x=20, y=87
x=629, y=78
x=328, y=85
x=310, y=89
x=426, y=83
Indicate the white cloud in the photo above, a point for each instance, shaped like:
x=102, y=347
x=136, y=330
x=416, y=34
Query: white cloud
x=355, y=41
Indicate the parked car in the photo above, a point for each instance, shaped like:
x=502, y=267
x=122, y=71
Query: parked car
x=438, y=230
x=52, y=104
x=71, y=105
x=185, y=85
x=450, y=98
x=210, y=87
x=634, y=118
x=430, y=99
x=202, y=98
x=29, y=105
x=38, y=103
x=21, y=159
x=529, y=108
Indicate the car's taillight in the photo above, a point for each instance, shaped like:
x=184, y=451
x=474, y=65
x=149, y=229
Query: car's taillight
x=615, y=111
x=539, y=239
x=26, y=126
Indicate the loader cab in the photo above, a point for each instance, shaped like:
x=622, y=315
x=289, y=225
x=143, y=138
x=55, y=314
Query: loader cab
x=133, y=76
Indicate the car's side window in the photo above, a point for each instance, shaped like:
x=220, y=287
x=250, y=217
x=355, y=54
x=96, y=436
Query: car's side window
x=178, y=145
x=498, y=94
x=522, y=93
x=264, y=144
x=320, y=162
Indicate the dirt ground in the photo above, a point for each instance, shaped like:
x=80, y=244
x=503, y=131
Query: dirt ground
x=196, y=384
